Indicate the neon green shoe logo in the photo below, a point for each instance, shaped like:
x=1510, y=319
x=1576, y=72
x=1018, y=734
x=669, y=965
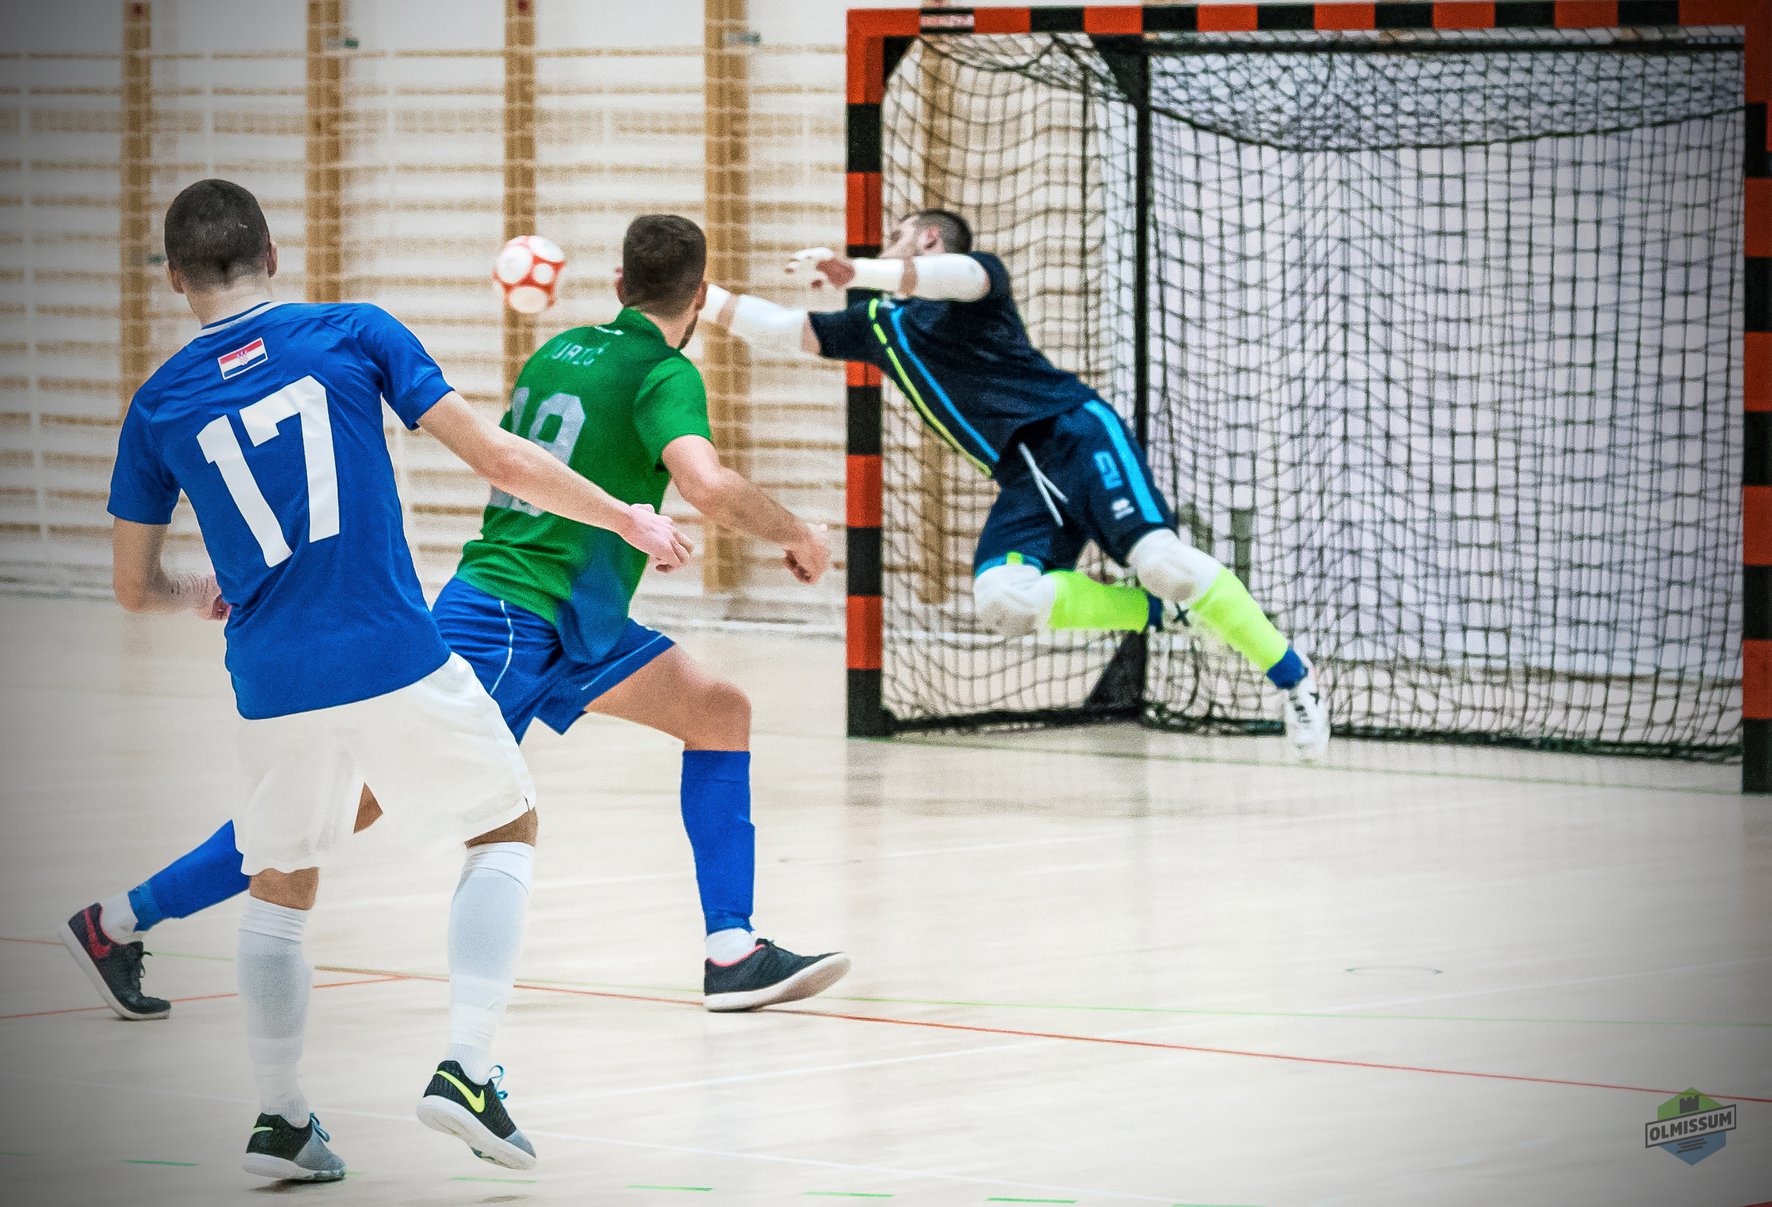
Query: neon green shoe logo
x=477, y=1101
x=255, y=1131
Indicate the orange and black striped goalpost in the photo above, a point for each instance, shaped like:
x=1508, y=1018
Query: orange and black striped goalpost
x=878, y=39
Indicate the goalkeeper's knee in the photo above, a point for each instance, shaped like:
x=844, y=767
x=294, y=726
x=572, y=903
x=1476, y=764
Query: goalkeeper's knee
x=1171, y=569
x=1014, y=600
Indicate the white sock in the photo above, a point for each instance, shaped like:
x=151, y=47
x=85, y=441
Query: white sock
x=274, y=983
x=485, y=933
x=116, y=917
x=730, y=946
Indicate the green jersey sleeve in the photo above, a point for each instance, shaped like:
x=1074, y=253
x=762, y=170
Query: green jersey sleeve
x=672, y=402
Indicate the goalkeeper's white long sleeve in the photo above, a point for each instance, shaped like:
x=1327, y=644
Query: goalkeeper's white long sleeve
x=944, y=278
x=757, y=321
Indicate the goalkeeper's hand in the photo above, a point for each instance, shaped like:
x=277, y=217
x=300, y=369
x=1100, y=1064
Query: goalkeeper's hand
x=820, y=267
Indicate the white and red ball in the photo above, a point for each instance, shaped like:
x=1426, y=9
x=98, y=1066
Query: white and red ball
x=527, y=273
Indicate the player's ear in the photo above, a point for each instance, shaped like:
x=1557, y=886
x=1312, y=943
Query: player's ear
x=173, y=279
x=620, y=289
x=271, y=260
x=701, y=297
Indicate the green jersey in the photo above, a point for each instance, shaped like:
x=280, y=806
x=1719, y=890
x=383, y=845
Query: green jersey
x=605, y=400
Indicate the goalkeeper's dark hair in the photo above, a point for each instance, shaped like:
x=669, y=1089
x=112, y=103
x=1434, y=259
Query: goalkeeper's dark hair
x=956, y=233
x=663, y=259
x=215, y=234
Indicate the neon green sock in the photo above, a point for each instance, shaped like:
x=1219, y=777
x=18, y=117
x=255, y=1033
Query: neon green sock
x=1227, y=609
x=1083, y=603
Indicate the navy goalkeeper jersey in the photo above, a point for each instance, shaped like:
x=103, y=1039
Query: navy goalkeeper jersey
x=968, y=367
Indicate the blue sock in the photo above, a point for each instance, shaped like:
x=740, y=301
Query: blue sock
x=1289, y=671
x=207, y=876
x=717, y=816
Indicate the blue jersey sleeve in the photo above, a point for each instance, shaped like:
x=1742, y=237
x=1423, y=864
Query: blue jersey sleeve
x=846, y=334
x=412, y=382
x=142, y=487
x=999, y=276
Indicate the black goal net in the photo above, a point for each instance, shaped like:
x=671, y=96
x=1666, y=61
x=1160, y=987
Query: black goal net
x=1432, y=338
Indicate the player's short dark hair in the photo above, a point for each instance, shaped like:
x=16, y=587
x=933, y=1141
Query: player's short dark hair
x=216, y=233
x=956, y=234
x=663, y=259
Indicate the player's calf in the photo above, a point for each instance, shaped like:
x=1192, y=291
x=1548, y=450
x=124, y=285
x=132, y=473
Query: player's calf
x=1215, y=599
x=1019, y=599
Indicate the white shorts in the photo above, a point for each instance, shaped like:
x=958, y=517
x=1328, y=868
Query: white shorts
x=436, y=753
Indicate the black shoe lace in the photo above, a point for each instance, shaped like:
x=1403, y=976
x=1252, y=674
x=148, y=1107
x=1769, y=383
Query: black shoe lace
x=133, y=955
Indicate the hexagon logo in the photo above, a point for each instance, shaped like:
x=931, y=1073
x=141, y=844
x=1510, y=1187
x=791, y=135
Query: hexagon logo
x=1691, y=1126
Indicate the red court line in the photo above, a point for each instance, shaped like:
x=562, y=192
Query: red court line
x=203, y=997
x=1148, y=1043
x=1316, y=1060
x=975, y=1029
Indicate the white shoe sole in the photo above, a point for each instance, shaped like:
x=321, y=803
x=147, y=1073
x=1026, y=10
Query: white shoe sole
x=813, y=979
x=77, y=949
x=278, y=1169
x=454, y=1119
x=1310, y=751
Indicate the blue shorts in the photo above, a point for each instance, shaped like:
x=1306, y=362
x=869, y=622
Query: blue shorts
x=520, y=662
x=1104, y=494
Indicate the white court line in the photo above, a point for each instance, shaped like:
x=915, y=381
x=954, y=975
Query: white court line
x=809, y=1162
x=941, y=1054
x=807, y=1070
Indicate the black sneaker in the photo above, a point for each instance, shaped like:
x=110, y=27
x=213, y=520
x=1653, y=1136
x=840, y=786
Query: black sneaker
x=115, y=969
x=769, y=975
x=283, y=1152
x=475, y=1115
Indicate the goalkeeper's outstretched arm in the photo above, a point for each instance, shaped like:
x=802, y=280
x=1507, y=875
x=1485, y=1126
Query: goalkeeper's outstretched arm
x=759, y=322
x=764, y=324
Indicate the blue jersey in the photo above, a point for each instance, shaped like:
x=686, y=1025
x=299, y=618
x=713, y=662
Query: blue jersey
x=270, y=422
x=968, y=367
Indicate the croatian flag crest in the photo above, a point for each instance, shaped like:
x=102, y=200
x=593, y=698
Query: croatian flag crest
x=242, y=359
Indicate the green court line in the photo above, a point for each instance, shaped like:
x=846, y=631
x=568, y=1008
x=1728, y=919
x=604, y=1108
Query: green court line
x=178, y=1164
x=17, y=1154
x=512, y=1181
x=648, y=1186
x=1145, y=756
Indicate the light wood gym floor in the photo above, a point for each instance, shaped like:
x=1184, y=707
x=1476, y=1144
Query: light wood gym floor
x=1092, y=966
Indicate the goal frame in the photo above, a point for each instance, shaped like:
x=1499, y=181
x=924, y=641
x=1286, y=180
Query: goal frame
x=878, y=39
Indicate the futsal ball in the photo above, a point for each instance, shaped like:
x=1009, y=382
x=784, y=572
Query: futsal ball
x=528, y=272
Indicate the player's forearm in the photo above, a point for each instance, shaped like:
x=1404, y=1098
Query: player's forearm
x=159, y=591
x=760, y=322
x=141, y=583
x=736, y=502
x=527, y=472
